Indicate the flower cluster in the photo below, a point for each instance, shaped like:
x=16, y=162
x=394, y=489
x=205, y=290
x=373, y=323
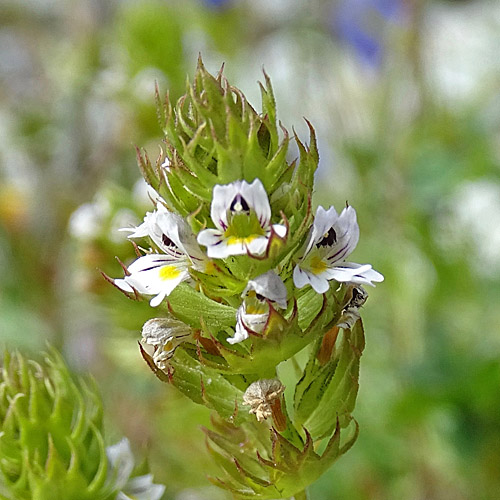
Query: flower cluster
x=241, y=215
x=244, y=275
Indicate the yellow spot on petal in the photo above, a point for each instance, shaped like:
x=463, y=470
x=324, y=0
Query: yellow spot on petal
x=318, y=265
x=169, y=273
x=236, y=240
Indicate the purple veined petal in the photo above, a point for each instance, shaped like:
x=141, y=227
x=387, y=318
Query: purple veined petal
x=150, y=261
x=323, y=221
x=156, y=274
x=256, y=196
x=217, y=247
x=178, y=231
x=157, y=280
x=347, y=233
x=167, y=224
x=221, y=201
x=210, y=237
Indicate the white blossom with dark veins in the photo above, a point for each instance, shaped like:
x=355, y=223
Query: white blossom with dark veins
x=159, y=273
x=242, y=217
x=331, y=239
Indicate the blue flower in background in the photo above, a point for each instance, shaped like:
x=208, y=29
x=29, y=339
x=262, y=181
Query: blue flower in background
x=216, y=4
x=360, y=23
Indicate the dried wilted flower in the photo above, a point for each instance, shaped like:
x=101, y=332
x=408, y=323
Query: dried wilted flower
x=165, y=334
x=264, y=399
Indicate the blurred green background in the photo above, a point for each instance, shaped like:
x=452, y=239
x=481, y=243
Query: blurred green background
x=405, y=97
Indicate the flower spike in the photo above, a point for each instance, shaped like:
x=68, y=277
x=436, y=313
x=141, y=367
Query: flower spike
x=234, y=246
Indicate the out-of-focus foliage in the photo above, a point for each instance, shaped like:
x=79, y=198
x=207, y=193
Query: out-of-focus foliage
x=404, y=97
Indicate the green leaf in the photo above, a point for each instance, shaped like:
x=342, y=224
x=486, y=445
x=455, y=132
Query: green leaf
x=194, y=308
x=336, y=399
x=207, y=386
x=309, y=305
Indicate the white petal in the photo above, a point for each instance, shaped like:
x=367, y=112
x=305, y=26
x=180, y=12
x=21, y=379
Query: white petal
x=347, y=231
x=217, y=247
x=323, y=221
x=257, y=246
x=256, y=196
x=156, y=301
x=280, y=230
x=269, y=285
x=302, y=278
x=121, y=283
x=156, y=274
x=158, y=331
x=210, y=237
x=152, y=261
x=221, y=201
x=362, y=274
x=121, y=460
x=142, y=230
x=240, y=332
x=319, y=283
x=142, y=488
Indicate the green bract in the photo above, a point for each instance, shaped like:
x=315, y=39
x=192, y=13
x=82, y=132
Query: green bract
x=246, y=277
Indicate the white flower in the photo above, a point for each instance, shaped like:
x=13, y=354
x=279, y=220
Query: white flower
x=254, y=311
x=171, y=234
x=331, y=239
x=121, y=462
x=242, y=217
x=158, y=274
x=165, y=335
x=154, y=274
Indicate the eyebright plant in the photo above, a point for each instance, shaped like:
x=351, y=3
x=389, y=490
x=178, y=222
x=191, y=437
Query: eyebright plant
x=52, y=439
x=243, y=274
